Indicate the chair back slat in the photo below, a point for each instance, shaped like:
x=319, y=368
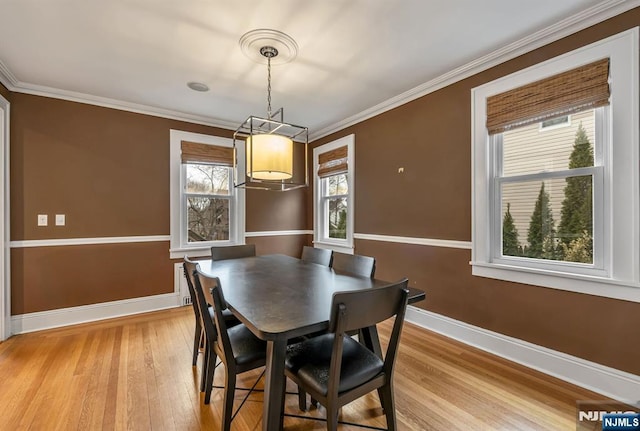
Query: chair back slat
x=354, y=264
x=367, y=307
x=233, y=252
x=212, y=284
x=189, y=267
x=320, y=256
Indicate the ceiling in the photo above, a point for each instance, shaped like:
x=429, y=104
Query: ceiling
x=353, y=55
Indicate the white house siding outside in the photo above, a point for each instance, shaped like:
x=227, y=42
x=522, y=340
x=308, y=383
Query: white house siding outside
x=532, y=149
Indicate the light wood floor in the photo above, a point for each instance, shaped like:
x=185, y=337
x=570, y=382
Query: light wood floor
x=135, y=373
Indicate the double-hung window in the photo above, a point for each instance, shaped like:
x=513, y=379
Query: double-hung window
x=555, y=173
x=333, y=215
x=207, y=182
x=206, y=209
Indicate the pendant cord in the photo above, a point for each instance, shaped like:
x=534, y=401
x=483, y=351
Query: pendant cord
x=269, y=87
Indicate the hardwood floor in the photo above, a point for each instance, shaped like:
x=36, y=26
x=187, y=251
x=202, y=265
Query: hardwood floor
x=135, y=373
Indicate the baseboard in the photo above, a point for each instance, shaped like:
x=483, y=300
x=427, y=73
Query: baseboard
x=38, y=321
x=610, y=382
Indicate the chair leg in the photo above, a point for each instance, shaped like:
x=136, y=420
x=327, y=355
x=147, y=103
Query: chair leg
x=229, y=392
x=386, y=398
x=197, y=336
x=208, y=363
x=209, y=373
x=302, y=399
x=332, y=418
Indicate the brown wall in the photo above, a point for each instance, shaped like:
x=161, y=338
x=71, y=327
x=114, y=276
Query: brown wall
x=431, y=138
x=108, y=172
x=5, y=92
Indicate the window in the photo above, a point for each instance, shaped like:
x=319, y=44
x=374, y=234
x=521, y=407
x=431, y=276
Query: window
x=545, y=187
x=333, y=195
x=554, y=123
x=555, y=173
x=207, y=201
x=206, y=209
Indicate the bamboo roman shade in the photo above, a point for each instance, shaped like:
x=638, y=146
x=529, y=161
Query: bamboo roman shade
x=193, y=152
x=333, y=162
x=575, y=90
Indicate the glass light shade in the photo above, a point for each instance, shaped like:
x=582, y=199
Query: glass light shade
x=269, y=157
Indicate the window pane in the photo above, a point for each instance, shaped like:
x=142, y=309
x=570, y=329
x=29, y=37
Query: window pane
x=549, y=220
x=337, y=185
x=338, y=218
x=558, y=121
x=208, y=179
x=530, y=149
x=208, y=219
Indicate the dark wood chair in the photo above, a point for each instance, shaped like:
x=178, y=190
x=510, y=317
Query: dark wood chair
x=199, y=339
x=237, y=347
x=320, y=256
x=188, y=267
x=233, y=252
x=354, y=264
x=335, y=369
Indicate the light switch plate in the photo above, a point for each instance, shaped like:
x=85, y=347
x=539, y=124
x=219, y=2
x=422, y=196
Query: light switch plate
x=60, y=219
x=43, y=220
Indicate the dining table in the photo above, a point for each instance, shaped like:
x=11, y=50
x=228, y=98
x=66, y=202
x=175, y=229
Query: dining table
x=280, y=298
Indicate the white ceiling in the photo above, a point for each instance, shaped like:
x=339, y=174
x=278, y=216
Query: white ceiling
x=353, y=54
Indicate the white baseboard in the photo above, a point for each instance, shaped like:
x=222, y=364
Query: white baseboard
x=38, y=321
x=610, y=382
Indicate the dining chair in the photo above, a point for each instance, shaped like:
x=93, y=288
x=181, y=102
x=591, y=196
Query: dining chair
x=236, y=346
x=335, y=369
x=188, y=267
x=199, y=339
x=320, y=256
x=233, y=252
x=354, y=264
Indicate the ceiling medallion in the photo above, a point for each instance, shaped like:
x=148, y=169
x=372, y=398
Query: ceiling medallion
x=253, y=41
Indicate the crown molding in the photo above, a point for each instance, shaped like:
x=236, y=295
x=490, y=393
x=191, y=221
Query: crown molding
x=591, y=16
x=7, y=78
x=13, y=84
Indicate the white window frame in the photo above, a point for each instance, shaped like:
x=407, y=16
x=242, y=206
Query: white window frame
x=180, y=246
x=5, y=252
x=619, y=275
x=320, y=231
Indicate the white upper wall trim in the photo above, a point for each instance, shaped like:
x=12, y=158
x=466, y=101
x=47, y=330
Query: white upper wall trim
x=586, y=18
x=418, y=241
x=87, y=241
x=38, y=90
x=7, y=78
x=137, y=108
x=153, y=238
x=278, y=233
x=566, y=27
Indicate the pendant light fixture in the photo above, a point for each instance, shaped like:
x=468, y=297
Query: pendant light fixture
x=275, y=151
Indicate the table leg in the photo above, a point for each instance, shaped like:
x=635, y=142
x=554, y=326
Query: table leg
x=369, y=337
x=274, y=385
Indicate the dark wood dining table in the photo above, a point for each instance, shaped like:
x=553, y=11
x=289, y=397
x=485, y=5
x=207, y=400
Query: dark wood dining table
x=280, y=298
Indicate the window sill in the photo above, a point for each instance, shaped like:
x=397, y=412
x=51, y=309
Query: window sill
x=179, y=253
x=587, y=284
x=339, y=248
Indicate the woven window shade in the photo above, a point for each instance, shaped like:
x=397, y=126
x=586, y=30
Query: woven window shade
x=575, y=90
x=333, y=162
x=193, y=152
